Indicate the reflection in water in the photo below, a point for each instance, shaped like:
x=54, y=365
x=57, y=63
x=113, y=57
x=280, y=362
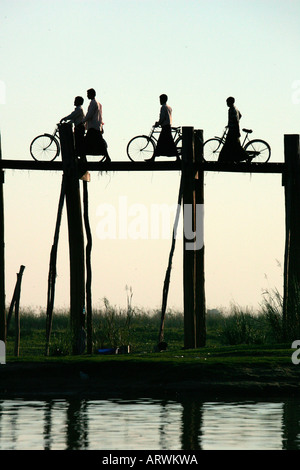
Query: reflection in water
x=191, y=425
x=77, y=425
x=291, y=426
x=47, y=425
x=188, y=424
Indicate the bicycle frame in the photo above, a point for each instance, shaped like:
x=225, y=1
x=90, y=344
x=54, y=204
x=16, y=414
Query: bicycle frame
x=56, y=133
x=176, y=132
x=246, y=138
x=223, y=138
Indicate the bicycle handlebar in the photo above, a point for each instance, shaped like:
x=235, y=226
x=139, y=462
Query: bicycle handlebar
x=172, y=128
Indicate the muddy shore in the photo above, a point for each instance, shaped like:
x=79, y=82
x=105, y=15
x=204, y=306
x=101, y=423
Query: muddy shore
x=42, y=380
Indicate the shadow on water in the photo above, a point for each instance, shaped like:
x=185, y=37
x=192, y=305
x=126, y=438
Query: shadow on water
x=187, y=424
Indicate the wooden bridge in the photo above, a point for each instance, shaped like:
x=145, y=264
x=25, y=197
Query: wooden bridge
x=242, y=167
x=192, y=168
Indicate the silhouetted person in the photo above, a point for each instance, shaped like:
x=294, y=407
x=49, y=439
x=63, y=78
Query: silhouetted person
x=165, y=144
x=77, y=117
x=94, y=142
x=232, y=150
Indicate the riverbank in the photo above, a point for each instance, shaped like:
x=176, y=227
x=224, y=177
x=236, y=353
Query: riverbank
x=212, y=372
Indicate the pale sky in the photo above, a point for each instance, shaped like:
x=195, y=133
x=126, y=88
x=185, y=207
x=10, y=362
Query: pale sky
x=198, y=52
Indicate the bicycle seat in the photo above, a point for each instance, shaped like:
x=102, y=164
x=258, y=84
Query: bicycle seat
x=175, y=128
x=249, y=131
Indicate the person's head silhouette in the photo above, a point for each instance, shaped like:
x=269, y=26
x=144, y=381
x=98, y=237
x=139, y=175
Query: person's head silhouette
x=163, y=99
x=91, y=94
x=78, y=101
x=230, y=101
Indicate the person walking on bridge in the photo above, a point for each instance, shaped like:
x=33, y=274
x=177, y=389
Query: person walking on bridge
x=232, y=150
x=165, y=144
x=94, y=142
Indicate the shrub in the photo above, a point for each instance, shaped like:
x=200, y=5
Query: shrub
x=242, y=328
x=272, y=309
x=112, y=326
x=61, y=344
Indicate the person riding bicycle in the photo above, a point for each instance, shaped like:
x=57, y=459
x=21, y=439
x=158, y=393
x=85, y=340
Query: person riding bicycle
x=232, y=150
x=165, y=144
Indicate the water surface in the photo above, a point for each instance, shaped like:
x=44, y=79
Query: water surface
x=149, y=424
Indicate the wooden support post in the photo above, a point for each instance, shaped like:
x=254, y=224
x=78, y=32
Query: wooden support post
x=2, y=259
x=188, y=255
x=17, y=313
x=76, y=241
x=200, y=305
x=88, y=250
x=52, y=269
x=193, y=252
x=16, y=295
x=168, y=271
x=291, y=181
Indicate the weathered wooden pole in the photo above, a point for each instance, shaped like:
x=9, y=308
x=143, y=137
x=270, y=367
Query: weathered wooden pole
x=88, y=250
x=188, y=254
x=193, y=252
x=76, y=240
x=291, y=181
x=200, y=304
x=16, y=295
x=2, y=259
x=168, y=271
x=52, y=269
x=17, y=313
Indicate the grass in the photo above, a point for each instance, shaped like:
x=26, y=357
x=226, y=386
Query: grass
x=239, y=333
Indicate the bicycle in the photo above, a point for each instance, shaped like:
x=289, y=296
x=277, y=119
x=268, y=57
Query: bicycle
x=257, y=149
x=142, y=147
x=45, y=147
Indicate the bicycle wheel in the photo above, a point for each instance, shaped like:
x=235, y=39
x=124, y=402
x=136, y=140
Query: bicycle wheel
x=178, y=144
x=211, y=150
x=258, y=151
x=44, y=148
x=140, y=148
